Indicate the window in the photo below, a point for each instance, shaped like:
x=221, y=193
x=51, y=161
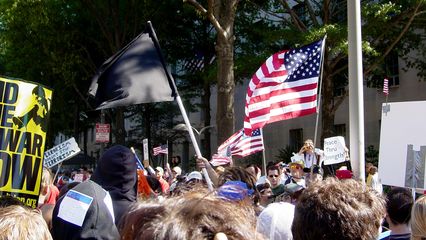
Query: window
x=392, y=69
x=340, y=130
x=296, y=139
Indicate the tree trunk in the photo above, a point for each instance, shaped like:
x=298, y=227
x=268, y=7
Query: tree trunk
x=327, y=105
x=225, y=119
x=207, y=117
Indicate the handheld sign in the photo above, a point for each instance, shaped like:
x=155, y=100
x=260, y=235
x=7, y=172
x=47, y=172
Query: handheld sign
x=145, y=149
x=25, y=109
x=334, y=150
x=61, y=152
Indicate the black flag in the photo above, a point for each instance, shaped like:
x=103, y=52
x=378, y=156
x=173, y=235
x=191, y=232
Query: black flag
x=136, y=74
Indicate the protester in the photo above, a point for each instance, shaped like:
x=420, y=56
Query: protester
x=297, y=174
x=309, y=155
x=196, y=215
x=48, y=191
x=334, y=209
x=20, y=222
x=6, y=201
x=159, y=173
x=373, y=180
x=398, y=213
x=116, y=173
x=85, y=212
x=274, y=177
x=418, y=219
x=275, y=221
x=265, y=192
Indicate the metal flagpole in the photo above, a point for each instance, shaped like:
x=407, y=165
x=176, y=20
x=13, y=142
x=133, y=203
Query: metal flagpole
x=182, y=109
x=263, y=154
x=319, y=91
x=356, y=101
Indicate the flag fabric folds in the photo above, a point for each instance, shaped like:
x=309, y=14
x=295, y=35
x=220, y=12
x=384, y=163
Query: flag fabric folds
x=386, y=86
x=242, y=145
x=284, y=87
x=136, y=74
x=163, y=149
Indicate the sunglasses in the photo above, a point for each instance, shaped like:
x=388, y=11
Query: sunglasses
x=271, y=176
x=295, y=167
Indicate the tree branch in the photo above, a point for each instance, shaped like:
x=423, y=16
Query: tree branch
x=294, y=16
x=311, y=12
x=209, y=14
x=395, y=41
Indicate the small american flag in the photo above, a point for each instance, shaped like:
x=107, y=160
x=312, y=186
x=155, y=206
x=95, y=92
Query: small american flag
x=241, y=145
x=284, y=87
x=386, y=86
x=163, y=149
x=219, y=160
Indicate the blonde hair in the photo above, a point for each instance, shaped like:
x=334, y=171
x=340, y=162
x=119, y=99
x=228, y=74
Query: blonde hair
x=418, y=219
x=19, y=222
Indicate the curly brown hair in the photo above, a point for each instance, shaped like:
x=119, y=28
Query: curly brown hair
x=194, y=215
x=336, y=209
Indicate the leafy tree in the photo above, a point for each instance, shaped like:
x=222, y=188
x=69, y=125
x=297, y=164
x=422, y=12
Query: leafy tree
x=387, y=26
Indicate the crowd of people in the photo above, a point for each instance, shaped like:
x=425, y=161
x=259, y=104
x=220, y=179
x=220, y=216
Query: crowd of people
x=298, y=200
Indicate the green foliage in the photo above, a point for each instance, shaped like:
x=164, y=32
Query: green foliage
x=372, y=155
x=285, y=154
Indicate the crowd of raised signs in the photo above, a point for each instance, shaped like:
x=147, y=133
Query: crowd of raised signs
x=299, y=200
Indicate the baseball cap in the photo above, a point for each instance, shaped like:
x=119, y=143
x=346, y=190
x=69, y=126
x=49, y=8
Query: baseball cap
x=159, y=169
x=194, y=175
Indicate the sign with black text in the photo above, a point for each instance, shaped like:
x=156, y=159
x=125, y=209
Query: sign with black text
x=61, y=152
x=25, y=109
x=334, y=150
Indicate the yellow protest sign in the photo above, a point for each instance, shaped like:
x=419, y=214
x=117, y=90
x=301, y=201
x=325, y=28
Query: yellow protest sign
x=24, y=114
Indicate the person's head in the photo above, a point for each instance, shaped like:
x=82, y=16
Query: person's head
x=372, y=170
x=274, y=175
x=418, y=219
x=237, y=174
x=398, y=206
x=308, y=146
x=296, y=169
x=176, y=171
x=193, y=215
x=336, y=209
x=46, y=182
x=265, y=192
x=20, y=222
x=368, y=165
x=159, y=172
x=6, y=201
x=253, y=169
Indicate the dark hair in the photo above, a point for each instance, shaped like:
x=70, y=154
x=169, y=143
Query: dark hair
x=154, y=184
x=237, y=174
x=338, y=210
x=6, y=201
x=273, y=168
x=399, y=204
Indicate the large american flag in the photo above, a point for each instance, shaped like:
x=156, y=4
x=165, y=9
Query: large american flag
x=284, y=87
x=163, y=149
x=242, y=145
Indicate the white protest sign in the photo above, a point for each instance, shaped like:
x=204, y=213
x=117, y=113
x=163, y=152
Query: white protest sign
x=78, y=177
x=61, y=152
x=402, y=156
x=145, y=149
x=334, y=150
